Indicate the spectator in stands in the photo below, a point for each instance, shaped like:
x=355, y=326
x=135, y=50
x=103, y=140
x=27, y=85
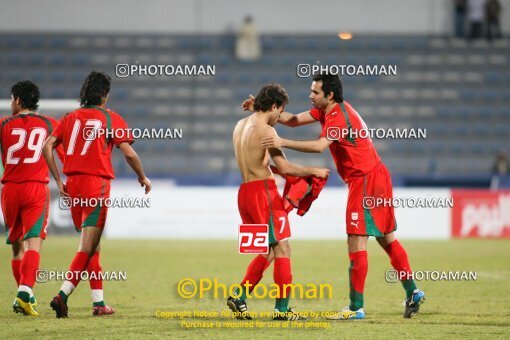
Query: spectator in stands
x=501, y=165
x=460, y=8
x=476, y=17
x=500, y=172
x=492, y=13
x=248, y=41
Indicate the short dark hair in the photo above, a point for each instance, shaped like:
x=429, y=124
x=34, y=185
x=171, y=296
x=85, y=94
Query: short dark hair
x=331, y=83
x=268, y=95
x=95, y=87
x=28, y=94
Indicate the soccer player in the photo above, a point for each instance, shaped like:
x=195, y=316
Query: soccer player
x=25, y=193
x=359, y=165
x=259, y=201
x=89, y=171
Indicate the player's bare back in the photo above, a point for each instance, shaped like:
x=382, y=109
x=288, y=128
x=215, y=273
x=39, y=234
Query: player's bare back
x=253, y=160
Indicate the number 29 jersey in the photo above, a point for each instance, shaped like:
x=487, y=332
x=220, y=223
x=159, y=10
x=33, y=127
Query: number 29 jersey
x=22, y=138
x=88, y=135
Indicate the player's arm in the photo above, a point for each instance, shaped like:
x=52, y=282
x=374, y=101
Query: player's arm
x=287, y=168
x=50, y=144
x=293, y=120
x=134, y=162
x=311, y=146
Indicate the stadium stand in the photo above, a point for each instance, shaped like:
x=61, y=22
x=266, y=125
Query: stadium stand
x=456, y=90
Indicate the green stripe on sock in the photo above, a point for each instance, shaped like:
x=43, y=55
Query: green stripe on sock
x=243, y=292
x=64, y=296
x=282, y=304
x=356, y=300
x=25, y=296
x=355, y=297
x=100, y=304
x=409, y=286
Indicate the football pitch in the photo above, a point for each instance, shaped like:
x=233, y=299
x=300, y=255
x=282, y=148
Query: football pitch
x=458, y=309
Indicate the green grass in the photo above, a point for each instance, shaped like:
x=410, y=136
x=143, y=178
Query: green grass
x=453, y=309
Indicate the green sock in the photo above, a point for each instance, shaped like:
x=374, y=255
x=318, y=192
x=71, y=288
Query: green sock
x=242, y=297
x=409, y=286
x=32, y=299
x=282, y=304
x=100, y=304
x=356, y=300
x=25, y=296
x=355, y=297
x=64, y=296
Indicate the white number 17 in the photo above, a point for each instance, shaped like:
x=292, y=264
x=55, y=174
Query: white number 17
x=91, y=127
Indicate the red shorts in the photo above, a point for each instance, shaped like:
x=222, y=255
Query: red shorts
x=260, y=203
x=25, y=207
x=362, y=217
x=89, y=212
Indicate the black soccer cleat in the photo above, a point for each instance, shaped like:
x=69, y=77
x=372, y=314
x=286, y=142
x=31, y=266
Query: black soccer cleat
x=240, y=309
x=59, y=306
x=413, y=303
x=289, y=315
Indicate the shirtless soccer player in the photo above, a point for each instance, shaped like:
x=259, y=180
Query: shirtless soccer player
x=359, y=165
x=259, y=201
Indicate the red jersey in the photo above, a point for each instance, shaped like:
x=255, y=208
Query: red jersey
x=88, y=135
x=354, y=153
x=22, y=138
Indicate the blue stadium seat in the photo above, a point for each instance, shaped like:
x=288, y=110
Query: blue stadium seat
x=79, y=60
x=35, y=43
x=467, y=119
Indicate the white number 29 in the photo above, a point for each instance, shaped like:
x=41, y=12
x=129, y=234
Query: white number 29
x=35, y=143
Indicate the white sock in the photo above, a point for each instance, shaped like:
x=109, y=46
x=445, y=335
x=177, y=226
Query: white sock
x=25, y=289
x=97, y=295
x=67, y=287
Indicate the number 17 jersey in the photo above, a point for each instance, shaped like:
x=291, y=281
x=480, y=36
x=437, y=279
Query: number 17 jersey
x=22, y=138
x=88, y=135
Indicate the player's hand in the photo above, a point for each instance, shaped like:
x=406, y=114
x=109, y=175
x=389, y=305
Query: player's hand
x=62, y=189
x=145, y=182
x=321, y=173
x=247, y=105
x=271, y=142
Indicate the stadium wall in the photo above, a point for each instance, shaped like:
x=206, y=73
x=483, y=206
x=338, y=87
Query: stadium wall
x=206, y=16
x=211, y=213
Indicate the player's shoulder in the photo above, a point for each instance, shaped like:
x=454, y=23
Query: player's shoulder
x=114, y=116
x=7, y=120
x=52, y=122
x=350, y=110
x=111, y=112
x=39, y=118
x=347, y=106
x=265, y=130
x=241, y=122
x=71, y=114
x=4, y=119
x=316, y=114
x=67, y=117
x=46, y=117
